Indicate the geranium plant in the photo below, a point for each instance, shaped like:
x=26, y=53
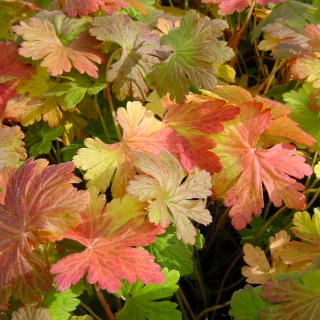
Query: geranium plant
x=147, y=147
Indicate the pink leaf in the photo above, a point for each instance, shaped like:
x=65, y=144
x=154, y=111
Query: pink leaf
x=247, y=166
x=110, y=234
x=40, y=203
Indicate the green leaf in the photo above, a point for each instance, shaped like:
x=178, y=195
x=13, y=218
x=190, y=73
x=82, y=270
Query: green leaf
x=299, y=103
x=247, y=302
x=191, y=62
x=317, y=170
x=77, y=86
x=172, y=253
x=70, y=151
x=141, y=302
x=39, y=137
x=61, y=303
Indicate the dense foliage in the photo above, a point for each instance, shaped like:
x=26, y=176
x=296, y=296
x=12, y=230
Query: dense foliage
x=155, y=156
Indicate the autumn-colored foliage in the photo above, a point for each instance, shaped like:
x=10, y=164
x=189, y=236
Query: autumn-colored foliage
x=145, y=149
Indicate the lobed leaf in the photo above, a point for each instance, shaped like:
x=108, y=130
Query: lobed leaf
x=110, y=235
x=194, y=120
x=11, y=146
x=31, y=312
x=140, y=51
x=40, y=203
x=191, y=62
x=247, y=166
x=293, y=297
x=142, y=302
x=41, y=41
x=141, y=131
x=162, y=186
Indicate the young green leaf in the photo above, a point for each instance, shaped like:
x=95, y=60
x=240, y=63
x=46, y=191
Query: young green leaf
x=172, y=253
x=191, y=62
x=162, y=186
x=11, y=146
x=300, y=103
x=60, y=304
x=39, y=138
x=110, y=234
x=141, y=301
x=40, y=203
x=247, y=302
x=74, y=90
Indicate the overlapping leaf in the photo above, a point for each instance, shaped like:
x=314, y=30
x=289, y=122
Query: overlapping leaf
x=246, y=166
x=11, y=146
x=307, y=65
x=194, y=121
x=40, y=203
x=283, y=128
x=141, y=132
x=306, y=251
x=44, y=37
x=140, y=51
x=110, y=234
x=259, y=269
x=31, y=312
x=300, y=103
x=284, y=37
x=12, y=70
x=86, y=7
x=230, y=6
x=162, y=186
x=142, y=302
x=294, y=296
x=191, y=61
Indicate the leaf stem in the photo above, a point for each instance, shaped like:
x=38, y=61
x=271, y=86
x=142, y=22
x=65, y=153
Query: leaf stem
x=214, y=308
x=104, y=302
x=108, y=93
x=100, y=116
x=186, y=303
x=181, y=306
x=83, y=305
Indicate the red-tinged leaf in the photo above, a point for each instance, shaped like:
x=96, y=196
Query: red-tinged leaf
x=283, y=128
x=72, y=8
x=110, y=234
x=140, y=51
x=12, y=70
x=141, y=132
x=42, y=42
x=40, y=203
x=230, y=6
x=294, y=297
x=246, y=166
x=194, y=121
x=11, y=146
x=5, y=176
